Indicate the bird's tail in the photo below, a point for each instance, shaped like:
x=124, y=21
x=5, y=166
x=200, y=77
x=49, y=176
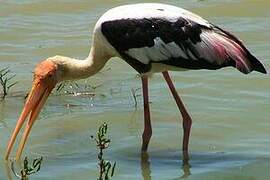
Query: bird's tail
x=245, y=61
x=256, y=64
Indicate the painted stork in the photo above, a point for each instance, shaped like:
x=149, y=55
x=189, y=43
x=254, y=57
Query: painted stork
x=151, y=38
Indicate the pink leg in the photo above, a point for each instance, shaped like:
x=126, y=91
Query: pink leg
x=187, y=121
x=147, y=133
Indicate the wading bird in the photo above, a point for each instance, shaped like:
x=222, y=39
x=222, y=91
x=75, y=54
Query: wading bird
x=151, y=38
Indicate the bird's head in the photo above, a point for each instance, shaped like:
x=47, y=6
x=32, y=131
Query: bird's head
x=46, y=76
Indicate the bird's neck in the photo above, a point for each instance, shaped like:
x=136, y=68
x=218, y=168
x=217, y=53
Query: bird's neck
x=79, y=69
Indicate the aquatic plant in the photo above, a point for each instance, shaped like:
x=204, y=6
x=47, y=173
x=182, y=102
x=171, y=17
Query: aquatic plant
x=135, y=95
x=106, y=169
x=26, y=169
x=69, y=84
x=76, y=89
x=5, y=81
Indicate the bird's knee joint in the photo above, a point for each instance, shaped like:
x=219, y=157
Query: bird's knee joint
x=147, y=134
x=187, y=124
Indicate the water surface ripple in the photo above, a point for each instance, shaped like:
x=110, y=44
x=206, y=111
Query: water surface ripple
x=230, y=135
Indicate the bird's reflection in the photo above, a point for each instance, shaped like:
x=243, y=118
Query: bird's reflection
x=186, y=171
x=185, y=165
x=10, y=169
x=146, y=166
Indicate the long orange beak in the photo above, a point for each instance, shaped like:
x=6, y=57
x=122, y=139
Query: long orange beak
x=40, y=91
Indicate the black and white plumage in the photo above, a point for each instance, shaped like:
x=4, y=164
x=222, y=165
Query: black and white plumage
x=147, y=34
x=151, y=38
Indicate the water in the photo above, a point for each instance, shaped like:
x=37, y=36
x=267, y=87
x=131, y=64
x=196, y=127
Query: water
x=230, y=135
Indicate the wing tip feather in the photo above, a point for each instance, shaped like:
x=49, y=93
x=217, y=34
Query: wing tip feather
x=258, y=65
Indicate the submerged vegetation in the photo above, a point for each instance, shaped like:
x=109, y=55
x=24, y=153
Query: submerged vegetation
x=6, y=81
x=27, y=170
x=135, y=95
x=75, y=89
x=106, y=168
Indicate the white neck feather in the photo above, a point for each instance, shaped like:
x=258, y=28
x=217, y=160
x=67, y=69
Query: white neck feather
x=71, y=68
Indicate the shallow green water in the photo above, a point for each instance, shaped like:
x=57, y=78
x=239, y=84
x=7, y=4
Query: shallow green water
x=230, y=136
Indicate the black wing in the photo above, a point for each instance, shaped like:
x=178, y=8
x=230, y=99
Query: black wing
x=183, y=43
